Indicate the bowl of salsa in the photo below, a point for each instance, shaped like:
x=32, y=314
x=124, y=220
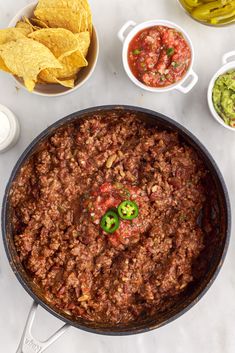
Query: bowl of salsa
x=158, y=56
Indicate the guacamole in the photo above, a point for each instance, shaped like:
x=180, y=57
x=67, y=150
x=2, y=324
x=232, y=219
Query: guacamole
x=224, y=97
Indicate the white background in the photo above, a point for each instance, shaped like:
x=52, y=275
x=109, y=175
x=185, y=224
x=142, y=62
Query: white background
x=210, y=325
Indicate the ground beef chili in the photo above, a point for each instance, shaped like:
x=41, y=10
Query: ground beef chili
x=159, y=56
x=74, y=177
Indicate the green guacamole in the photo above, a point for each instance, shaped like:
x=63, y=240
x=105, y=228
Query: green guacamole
x=224, y=97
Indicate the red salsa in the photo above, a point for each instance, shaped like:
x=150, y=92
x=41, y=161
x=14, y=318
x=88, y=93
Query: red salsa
x=107, y=198
x=159, y=56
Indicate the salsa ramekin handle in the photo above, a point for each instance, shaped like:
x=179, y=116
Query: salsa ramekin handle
x=124, y=28
x=29, y=344
x=185, y=88
x=228, y=56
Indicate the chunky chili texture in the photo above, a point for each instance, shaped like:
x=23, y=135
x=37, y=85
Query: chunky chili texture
x=159, y=56
x=87, y=168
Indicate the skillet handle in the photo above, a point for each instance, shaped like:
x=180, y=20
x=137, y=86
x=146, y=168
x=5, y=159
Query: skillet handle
x=29, y=344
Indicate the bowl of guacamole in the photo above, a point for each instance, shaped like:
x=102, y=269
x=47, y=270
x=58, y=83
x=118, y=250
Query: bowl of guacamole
x=221, y=95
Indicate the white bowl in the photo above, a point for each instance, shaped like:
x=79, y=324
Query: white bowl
x=55, y=90
x=226, y=67
x=181, y=85
x=11, y=132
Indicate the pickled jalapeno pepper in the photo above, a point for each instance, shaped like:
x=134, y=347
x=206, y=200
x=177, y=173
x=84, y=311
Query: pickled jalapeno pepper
x=128, y=210
x=110, y=222
x=214, y=12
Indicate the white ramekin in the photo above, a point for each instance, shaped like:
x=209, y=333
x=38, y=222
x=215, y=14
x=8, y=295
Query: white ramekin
x=227, y=65
x=133, y=28
x=55, y=90
x=13, y=131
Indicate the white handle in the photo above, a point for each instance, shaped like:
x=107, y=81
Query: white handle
x=227, y=56
x=124, y=28
x=28, y=344
x=186, y=88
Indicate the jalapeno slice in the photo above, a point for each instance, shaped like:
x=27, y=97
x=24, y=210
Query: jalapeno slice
x=128, y=210
x=110, y=222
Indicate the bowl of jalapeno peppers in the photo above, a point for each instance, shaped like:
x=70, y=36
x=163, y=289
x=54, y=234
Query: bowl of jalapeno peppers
x=211, y=12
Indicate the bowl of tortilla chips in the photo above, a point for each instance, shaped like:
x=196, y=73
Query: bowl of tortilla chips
x=50, y=47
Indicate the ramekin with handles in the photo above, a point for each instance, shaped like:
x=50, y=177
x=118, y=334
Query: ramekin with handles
x=227, y=65
x=182, y=86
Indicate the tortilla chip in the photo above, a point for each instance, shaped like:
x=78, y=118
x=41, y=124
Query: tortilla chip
x=38, y=23
x=29, y=84
x=26, y=58
x=71, y=66
x=67, y=16
x=84, y=42
x=75, y=5
x=26, y=20
x=11, y=34
x=27, y=28
x=34, y=26
x=3, y=67
x=66, y=83
x=50, y=79
x=61, y=42
x=65, y=46
x=74, y=15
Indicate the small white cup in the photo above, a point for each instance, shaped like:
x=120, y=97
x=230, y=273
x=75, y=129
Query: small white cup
x=133, y=28
x=11, y=131
x=227, y=65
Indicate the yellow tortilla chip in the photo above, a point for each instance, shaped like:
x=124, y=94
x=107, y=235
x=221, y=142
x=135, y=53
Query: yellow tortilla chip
x=38, y=23
x=26, y=58
x=65, y=18
x=84, y=42
x=28, y=21
x=45, y=77
x=11, y=34
x=3, y=67
x=66, y=48
x=75, y=5
x=29, y=84
x=61, y=42
x=66, y=83
x=35, y=23
x=27, y=28
x=71, y=66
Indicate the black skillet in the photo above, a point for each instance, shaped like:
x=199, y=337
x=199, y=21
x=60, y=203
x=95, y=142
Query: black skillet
x=192, y=296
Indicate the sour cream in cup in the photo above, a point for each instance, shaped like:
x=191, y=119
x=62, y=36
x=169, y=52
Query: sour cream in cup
x=9, y=129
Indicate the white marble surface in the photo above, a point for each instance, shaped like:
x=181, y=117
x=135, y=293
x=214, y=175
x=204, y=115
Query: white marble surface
x=209, y=326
